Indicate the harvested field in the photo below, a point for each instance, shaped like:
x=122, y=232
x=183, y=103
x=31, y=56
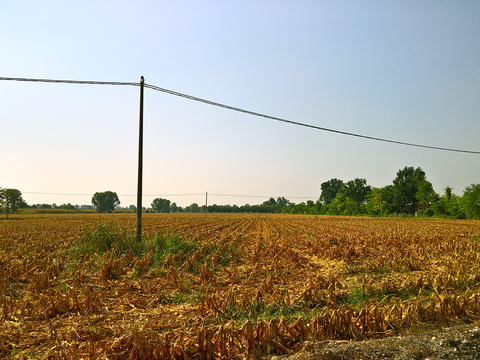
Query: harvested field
x=226, y=286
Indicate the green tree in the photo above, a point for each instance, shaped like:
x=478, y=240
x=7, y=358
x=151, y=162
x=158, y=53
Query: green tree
x=448, y=192
x=192, y=208
x=343, y=205
x=67, y=206
x=351, y=198
x=405, y=188
x=282, y=205
x=330, y=190
x=270, y=202
x=11, y=200
x=282, y=201
x=173, y=207
x=454, y=207
x=312, y=207
x=449, y=205
x=298, y=208
x=377, y=202
x=357, y=190
x=161, y=205
x=426, y=196
x=471, y=200
x=270, y=206
x=105, y=201
x=388, y=195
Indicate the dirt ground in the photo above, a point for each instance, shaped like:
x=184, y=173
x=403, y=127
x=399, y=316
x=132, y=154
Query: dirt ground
x=456, y=342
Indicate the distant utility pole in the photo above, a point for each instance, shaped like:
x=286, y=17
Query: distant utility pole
x=206, y=203
x=140, y=164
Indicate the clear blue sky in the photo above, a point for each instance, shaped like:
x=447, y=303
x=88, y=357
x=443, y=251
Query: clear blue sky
x=400, y=70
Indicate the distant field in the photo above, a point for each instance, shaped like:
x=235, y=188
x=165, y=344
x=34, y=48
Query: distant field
x=226, y=286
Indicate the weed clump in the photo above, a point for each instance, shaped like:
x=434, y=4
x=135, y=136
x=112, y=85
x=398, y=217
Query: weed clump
x=166, y=245
x=110, y=237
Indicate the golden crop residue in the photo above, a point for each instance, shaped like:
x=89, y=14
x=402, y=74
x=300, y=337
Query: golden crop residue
x=227, y=286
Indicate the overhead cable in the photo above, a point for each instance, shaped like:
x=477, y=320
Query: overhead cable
x=175, y=93
x=89, y=82
x=264, y=196
x=199, y=194
x=213, y=103
x=66, y=194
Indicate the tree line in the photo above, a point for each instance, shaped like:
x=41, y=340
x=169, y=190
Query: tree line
x=409, y=194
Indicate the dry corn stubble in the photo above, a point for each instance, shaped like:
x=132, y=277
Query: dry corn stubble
x=241, y=285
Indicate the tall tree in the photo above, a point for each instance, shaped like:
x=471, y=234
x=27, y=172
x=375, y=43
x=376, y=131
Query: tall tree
x=377, y=202
x=11, y=200
x=105, y=201
x=270, y=201
x=425, y=195
x=270, y=205
x=161, y=205
x=192, y=208
x=330, y=190
x=449, y=204
x=471, y=200
x=448, y=192
x=282, y=201
x=357, y=190
x=405, y=187
x=343, y=205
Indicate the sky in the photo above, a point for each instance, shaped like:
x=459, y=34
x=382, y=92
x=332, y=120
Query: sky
x=400, y=70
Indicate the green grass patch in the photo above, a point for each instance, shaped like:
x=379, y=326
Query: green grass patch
x=179, y=297
x=118, y=240
x=110, y=237
x=356, y=298
x=168, y=244
x=258, y=309
x=163, y=250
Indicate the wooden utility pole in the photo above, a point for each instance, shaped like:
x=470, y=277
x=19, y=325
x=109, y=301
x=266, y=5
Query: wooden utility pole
x=140, y=164
x=206, y=203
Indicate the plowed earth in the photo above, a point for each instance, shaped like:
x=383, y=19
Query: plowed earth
x=243, y=286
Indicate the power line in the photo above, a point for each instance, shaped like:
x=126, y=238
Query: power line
x=166, y=195
x=265, y=196
x=198, y=194
x=171, y=92
x=43, y=193
x=213, y=103
x=89, y=82
x=67, y=194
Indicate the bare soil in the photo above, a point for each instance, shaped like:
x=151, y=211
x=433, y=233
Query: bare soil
x=456, y=342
